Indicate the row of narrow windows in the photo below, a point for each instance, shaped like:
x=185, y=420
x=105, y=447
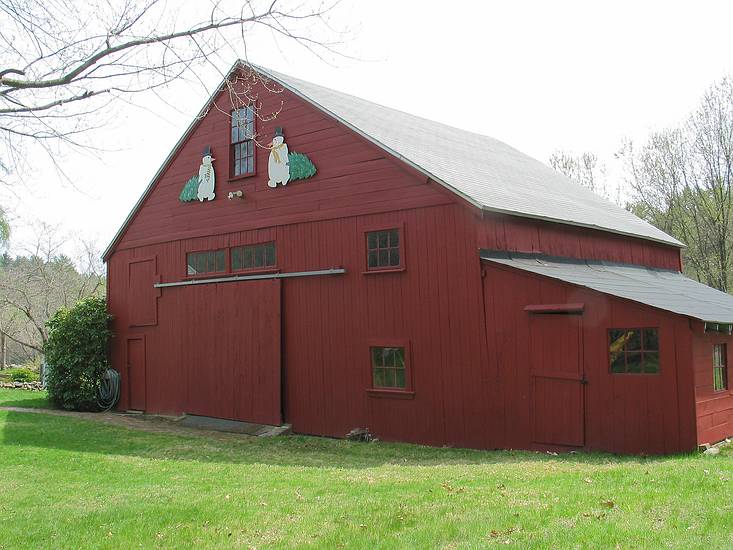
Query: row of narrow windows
x=383, y=251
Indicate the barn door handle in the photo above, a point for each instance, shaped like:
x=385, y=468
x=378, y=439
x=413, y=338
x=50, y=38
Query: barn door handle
x=584, y=380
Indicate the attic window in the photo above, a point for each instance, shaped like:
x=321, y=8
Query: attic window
x=242, y=142
x=633, y=350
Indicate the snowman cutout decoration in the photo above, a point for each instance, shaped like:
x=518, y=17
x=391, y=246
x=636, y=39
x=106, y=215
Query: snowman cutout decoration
x=278, y=165
x=207, y=179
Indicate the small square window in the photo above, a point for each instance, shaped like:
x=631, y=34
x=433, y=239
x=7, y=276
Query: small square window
x=383, y=249
x=389, y=367
x=633, y=350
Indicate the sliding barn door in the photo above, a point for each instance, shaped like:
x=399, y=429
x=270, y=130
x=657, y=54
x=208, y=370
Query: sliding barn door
x=556, y=368
x=233, y=351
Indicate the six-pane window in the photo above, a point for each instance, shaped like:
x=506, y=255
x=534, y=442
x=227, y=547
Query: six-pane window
x=634, y=350
x=243, y=147
x=253, y=256
x=388, y=367
x=720, y=367
x=383, y=249
x=210, y=261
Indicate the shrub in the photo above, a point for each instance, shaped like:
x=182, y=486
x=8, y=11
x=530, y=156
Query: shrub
x=23, y=375
x=76, y=354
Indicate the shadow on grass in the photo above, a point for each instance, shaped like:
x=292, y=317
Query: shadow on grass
x=83, y=436
x=24, y=398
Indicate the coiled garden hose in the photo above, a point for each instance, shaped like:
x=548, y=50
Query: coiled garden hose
x=108, y=392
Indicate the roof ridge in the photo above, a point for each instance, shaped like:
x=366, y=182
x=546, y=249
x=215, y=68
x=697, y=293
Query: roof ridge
x=487, y=173
x=383, y=106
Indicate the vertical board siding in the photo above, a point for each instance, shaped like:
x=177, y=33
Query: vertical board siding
x=714, y=408
x=327, y=324
x=305, y=341
x=142, y=303
x=468, y=335
x=623, y=413
x=502, y=232
x=354, y=176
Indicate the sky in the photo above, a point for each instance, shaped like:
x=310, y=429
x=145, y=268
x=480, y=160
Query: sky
x=540, y=76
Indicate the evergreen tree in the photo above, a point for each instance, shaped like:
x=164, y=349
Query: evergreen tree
x=301, y=166
x=190, y=190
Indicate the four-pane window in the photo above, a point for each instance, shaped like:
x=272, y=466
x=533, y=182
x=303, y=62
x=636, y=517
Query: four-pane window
x=720, y=367
x=210, y=261
x=634, y=350
x=388, y=367
x=383, y=249
x=253, y=256
x=242, y=139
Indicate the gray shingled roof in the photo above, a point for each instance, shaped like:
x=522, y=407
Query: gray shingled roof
x=667, y=290
x=490, y=174
x=486, y=172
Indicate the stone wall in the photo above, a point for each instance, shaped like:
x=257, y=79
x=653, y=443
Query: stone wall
x=36, y=386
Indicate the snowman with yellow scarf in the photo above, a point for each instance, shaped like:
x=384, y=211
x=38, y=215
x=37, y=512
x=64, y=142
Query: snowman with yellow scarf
x=278, y=166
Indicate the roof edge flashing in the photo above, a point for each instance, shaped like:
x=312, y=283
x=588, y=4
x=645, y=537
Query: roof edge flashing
x=489, y=254
x=268, y=74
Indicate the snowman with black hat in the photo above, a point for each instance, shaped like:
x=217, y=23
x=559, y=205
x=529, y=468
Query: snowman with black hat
x=278, y=167
x=206, y=177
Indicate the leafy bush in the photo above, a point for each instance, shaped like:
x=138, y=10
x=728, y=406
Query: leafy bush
x=23, y=375
x=76, y=353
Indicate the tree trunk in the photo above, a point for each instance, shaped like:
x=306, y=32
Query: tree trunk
x=3, y=351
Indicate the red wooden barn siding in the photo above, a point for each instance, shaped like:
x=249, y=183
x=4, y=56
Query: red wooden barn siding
x=714, y=408
x=466, y=378
x=502, y=232
x=623, y=413
x=354, y=177
x=328, y=323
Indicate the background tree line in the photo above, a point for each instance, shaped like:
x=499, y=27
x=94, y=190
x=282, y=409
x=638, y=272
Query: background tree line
x=38, y=282
x=680, y=180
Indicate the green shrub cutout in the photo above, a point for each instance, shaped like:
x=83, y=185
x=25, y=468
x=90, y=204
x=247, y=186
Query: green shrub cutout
x=301, y=166
x=23, y=375
x=76, y=354
x=190, y=190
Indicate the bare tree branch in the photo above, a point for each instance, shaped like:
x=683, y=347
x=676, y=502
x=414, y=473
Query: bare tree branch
x=59, y=57
x=683, y=182
x=34, y=285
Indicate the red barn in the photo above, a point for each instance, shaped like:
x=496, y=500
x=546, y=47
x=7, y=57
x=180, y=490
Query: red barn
x=343, y=265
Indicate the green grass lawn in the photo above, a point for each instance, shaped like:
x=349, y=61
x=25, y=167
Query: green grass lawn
x=68, y=483
x=23, y=398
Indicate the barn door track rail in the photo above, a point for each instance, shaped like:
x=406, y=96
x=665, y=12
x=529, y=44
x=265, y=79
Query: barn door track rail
x=331, y=271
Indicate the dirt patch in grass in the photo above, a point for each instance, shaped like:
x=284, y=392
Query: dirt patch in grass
x=147, y=423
